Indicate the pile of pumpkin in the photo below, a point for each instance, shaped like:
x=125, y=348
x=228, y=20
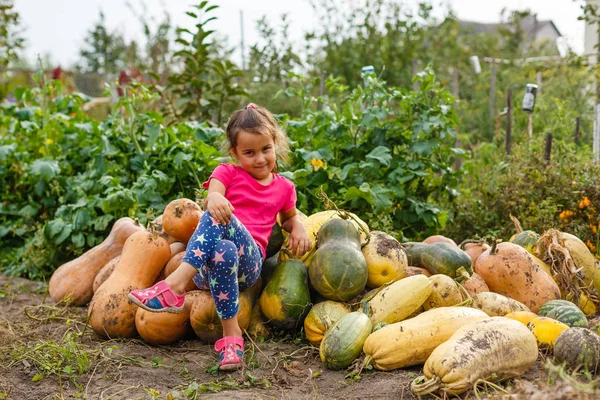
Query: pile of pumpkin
x=468, y=313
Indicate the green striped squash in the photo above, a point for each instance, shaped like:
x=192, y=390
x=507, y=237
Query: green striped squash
x=338, y=269
x=565, y=312
x=526, y=239
x=344, y=341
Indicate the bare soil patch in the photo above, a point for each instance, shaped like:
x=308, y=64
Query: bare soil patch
x=48, y=352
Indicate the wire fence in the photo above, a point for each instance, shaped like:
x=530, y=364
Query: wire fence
x=91, y=84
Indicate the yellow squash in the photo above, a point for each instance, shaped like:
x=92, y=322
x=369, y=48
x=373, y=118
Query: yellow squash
x=445, y=292
x=546, y=330
x=411, y=341
x=523, y=317
x=399, y=300
x=494, y=304
x=322, y=317
x=386, y=259
x=492, y=349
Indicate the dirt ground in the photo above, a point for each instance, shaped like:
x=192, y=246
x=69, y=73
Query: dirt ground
x=47, y=352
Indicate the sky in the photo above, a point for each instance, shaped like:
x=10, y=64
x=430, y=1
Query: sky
x=58, y=27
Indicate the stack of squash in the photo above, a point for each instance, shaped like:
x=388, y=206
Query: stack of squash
x=485, y=308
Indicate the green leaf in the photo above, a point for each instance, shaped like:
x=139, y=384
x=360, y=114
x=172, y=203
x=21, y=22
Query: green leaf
x=381, y=154
x=119, y=201
x=364, y=192
x=57, y=231
x=382, y=198
x=101, y=222
x=6, y=150
x=45, y=169
x=107, y=148
x=152, y=131
x=37, y=377
x=81, y=219
x=424, y=148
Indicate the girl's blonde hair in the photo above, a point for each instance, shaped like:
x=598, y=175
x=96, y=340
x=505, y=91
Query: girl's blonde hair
x=258, y=120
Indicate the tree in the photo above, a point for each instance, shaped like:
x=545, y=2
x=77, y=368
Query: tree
x=10, y=40
x=106, y=52
x=206, y=83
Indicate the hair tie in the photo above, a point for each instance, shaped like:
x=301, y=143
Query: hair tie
x=250, y=105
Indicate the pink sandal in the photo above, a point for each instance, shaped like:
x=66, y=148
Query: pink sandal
x=158, y=298
x=232, y=352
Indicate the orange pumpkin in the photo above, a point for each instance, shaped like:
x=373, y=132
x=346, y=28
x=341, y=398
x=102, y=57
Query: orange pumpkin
x=172, y=265
x=110, y=312
x=509, y=270
x=181, y=218
x=160, y=328
x=439, y=239
x=474, y=249
x=73, y=282
x=105, y=273
x=205, y=321
x=475, y=284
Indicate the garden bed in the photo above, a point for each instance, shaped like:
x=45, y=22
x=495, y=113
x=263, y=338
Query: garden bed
x=48, y=352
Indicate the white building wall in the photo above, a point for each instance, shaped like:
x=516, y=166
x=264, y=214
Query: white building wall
x=591, y=35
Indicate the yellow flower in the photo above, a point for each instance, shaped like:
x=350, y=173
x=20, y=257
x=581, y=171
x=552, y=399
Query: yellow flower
x=593, y=228
x=591, y=246
x=317, y=164
x=565, y=215
x=585, y=202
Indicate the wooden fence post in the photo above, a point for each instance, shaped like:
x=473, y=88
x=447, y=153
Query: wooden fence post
x=548, y=148
x=493, y=91
x=455, y=83
x=508, y=119
x=539, y=82
x=415, y=85
x=577, y=122
x=596, y=142
x=321, y=90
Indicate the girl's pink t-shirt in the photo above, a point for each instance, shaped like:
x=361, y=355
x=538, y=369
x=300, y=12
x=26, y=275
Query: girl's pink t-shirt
x=256, y=205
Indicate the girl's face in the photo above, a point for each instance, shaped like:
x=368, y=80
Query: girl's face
x=256, y=154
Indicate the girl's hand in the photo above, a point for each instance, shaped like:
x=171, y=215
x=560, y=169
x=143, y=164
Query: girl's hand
x=299, y=243
x=219, y=207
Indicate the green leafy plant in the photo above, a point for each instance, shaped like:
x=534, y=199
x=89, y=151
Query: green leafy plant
x=66, y=178
x=382, y=152
x=206, y=82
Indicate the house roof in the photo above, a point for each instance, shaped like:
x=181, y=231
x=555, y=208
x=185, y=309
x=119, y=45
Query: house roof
x=529, y=25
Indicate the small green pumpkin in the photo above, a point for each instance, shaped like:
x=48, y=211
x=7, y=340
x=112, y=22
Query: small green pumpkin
x=285, y=301
x=526, y=239
x=338, y=269
x=439, y=258
x=343, y=343
x=578, y=348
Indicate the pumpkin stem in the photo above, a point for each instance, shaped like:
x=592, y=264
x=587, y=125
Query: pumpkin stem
x=366, y=308
x=516, y=222
x=468, y=241
x=461, y=275
x=494, y=249
x=287, y=253
x=329, y=204
x=428, y=386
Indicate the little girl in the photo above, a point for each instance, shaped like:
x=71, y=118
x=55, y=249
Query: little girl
x=226, y=252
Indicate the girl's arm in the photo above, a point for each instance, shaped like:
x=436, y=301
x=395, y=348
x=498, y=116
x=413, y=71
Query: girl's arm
x=299, y=241
x=216, y=203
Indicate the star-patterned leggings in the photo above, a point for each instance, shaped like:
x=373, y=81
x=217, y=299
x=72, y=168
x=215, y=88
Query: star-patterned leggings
x=227, y=259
